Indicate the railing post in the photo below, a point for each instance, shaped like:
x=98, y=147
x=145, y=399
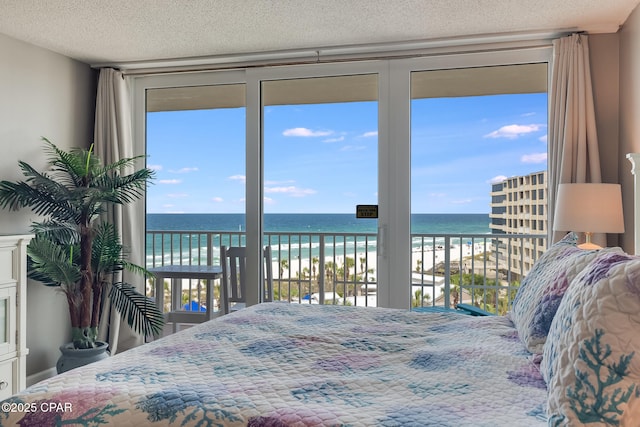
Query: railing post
x=447, y=272
x=209, y=248
x=321, y=269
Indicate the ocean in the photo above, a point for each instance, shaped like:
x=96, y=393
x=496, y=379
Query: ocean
x=305, y=244
x=318, y=223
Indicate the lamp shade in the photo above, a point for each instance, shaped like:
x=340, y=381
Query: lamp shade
x=591, y=208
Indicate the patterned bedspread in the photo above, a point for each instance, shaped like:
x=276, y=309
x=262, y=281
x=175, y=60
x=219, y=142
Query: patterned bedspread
x=277, y=364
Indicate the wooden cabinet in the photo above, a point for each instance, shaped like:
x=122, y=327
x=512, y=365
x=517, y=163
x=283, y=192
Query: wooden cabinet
x=13, y=314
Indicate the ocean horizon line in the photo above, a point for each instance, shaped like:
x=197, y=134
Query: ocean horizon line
x=309, y=213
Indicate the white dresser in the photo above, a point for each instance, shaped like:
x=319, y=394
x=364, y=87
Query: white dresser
x=13, y=313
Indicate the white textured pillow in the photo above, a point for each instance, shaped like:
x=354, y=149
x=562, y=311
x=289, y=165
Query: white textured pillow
x=591, y=361
x=542, y=290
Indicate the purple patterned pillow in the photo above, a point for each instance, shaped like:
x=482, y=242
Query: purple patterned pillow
x=591, y=361
x=541, y=291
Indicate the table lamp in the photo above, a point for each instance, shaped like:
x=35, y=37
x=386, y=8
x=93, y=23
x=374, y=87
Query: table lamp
x=589, y=208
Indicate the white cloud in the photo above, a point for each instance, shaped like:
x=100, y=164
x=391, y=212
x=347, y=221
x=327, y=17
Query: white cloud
x=369, y=134
x=543, y=139
x=169, y=181
x=513, y=131
x=306, y=132
x=438, y=194
x=291, y=190
x=154, y=167
x=240, y=178
x=184, y=170
x=534, y=158
x=338, y=139
x=217, y=199
x=497, y=179
x=269, y=201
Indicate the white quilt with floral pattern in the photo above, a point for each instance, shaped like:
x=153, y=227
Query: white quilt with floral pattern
x=277, y=364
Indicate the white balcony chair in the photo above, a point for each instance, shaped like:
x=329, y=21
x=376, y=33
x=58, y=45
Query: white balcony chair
x=234, y=272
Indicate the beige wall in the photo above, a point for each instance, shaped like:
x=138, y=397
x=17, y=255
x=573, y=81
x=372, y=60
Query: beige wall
x=604, y=59
x=42, y=94
x=629, y=115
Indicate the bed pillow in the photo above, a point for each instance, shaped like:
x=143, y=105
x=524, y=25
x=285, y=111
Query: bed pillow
x=591, y=361
x=542, y=290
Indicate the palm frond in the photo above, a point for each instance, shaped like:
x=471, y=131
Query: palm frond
x=50, y=261
x=120, y=165
x=43, y=181
x=94, y=201
x=34, y=274
x=127, y=188
x=57, y=231
x=139, y=311
x=43, y=195
x=73, y=163
x=11, y=194
x=107, y=254
x=137, y=269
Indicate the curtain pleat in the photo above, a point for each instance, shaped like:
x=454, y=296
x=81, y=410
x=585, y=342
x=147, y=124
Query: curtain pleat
x=113, y=140
x=573, y=140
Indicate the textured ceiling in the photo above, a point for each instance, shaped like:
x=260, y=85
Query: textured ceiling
x=115, y=31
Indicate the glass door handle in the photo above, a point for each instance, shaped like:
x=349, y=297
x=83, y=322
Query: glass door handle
x=382, y=241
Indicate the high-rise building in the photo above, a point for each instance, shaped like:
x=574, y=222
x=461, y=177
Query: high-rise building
x=519, y=206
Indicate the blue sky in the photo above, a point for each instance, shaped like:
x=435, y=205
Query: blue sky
x=323, y=158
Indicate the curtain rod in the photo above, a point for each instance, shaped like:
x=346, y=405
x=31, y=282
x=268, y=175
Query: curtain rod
x=347, y=53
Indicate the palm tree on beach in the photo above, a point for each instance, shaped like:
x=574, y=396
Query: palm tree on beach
x=349, y=264
x=284, y=265
x=304, y=274
x=420, y=298
x=329, y=269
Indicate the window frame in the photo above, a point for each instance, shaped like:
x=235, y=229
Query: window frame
x=394, y=143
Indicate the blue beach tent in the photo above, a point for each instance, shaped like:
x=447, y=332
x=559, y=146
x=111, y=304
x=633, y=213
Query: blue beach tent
x=194, y=306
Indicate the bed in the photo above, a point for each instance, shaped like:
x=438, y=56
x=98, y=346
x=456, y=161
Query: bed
x=278, y=364
x=566, y=355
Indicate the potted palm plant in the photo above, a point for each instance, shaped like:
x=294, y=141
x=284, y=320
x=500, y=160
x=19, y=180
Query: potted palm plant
x=73, y=248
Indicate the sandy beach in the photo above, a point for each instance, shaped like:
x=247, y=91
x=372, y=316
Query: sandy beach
x=421, y=260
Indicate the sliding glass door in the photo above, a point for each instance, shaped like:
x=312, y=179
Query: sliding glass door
x=473, y=130
x=320, y=145
x=288, y=154
x=196, y=144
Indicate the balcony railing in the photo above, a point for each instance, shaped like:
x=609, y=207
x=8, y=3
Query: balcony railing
x=340, y=268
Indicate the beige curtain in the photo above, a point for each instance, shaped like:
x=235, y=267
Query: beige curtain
x=573, y=140
x=113, y=140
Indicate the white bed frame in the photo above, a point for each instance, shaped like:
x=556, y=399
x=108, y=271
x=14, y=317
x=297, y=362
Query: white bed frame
x=634, y=158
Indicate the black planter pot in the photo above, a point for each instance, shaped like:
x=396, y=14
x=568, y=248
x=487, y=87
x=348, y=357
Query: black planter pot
x=73, y=357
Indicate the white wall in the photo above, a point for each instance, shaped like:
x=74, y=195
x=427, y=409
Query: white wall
x=41, y=94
